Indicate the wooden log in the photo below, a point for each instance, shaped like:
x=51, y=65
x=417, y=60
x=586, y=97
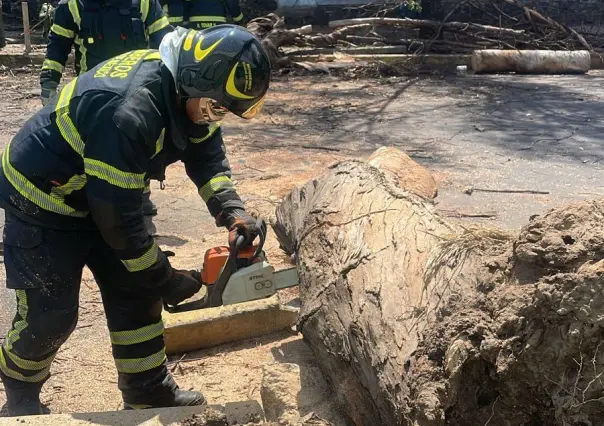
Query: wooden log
x=531, y=61
x=418, y=321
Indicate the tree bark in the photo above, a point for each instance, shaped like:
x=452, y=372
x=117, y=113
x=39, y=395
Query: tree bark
x=419, y=321
x=531, y=61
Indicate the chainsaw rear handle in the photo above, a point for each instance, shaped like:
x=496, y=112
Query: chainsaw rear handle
x=213, y=297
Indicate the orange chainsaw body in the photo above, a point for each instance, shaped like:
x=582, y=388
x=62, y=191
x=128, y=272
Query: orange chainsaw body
x=216, y=257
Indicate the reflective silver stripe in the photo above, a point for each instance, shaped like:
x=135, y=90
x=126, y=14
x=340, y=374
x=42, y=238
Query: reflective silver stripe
x=13, y=336
x=33, y=193
x=63, y=32
x=207, y=18
x=52, y=65
x=138, y=365
x=18, y=376
x=75, y=13
x=83, y=52
x=211, y=130
x=113, y=175
x=132, y=337
x=214, y=185
x=159, y=143
x=158, y=25
x=145, y=261
x=74, y=183
x=63, y=121
x=144, y=9
x=27, y=364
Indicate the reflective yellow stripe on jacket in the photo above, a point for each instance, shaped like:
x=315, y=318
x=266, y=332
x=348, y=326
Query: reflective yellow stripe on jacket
x=29, y=191
x=214, y=185
x=212, y=129
x=63, y=121
x=113, y=175
x=62, y=31
x=158, y=25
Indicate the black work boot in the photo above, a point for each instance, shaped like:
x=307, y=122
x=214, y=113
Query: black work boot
x=166, y=395
x=22, y=398
x=149, y=208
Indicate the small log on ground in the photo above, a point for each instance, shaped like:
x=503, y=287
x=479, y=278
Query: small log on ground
x=531, y=61
x=418, y=321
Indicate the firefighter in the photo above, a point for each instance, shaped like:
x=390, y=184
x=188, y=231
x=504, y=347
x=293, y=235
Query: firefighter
x=208, y=13
x=175, y=11
x=71, y=185
x=46, y=14
x=101, y=30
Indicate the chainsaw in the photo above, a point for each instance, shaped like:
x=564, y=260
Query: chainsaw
x=236, y=275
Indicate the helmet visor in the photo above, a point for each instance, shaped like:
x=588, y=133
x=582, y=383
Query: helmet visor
x=207, y=111
x=254, y=110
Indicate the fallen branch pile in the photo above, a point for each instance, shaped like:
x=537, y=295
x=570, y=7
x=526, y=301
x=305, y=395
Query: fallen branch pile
x=510, y=25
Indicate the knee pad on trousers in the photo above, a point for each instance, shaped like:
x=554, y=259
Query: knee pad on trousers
x=45, y=333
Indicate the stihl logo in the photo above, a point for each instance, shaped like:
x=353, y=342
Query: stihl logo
x=256, y=277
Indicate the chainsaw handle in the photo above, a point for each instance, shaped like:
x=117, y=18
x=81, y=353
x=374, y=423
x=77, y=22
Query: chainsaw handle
x=261, y=225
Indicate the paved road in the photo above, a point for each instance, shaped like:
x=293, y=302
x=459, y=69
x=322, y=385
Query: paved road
x=498, y=132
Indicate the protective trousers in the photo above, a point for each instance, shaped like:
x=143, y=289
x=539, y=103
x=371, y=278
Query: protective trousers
x=45, y=266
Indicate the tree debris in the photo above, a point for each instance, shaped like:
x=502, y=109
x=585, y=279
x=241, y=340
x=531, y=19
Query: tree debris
x=514, y=26
x=470, y=189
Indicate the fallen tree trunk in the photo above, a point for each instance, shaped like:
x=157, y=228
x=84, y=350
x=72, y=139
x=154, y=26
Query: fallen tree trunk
x=418, y=321
x=531, y=61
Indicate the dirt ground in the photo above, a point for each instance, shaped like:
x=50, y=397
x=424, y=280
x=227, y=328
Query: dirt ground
x=500, y=132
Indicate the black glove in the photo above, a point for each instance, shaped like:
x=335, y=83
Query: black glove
x=239, y=223
x=182, y=285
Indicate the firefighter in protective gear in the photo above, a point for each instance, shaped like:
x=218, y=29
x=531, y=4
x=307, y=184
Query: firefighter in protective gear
x=101, y=29
x=208, y=13
x=175, y=11
x=71, y=185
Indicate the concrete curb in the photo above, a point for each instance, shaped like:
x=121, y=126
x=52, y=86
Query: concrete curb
x=206, y=328
x=236, y=413
x=17, y=60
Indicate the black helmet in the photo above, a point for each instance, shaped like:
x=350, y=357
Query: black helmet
x=225, y=63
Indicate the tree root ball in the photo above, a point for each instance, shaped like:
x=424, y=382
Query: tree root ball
x=419, y=321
